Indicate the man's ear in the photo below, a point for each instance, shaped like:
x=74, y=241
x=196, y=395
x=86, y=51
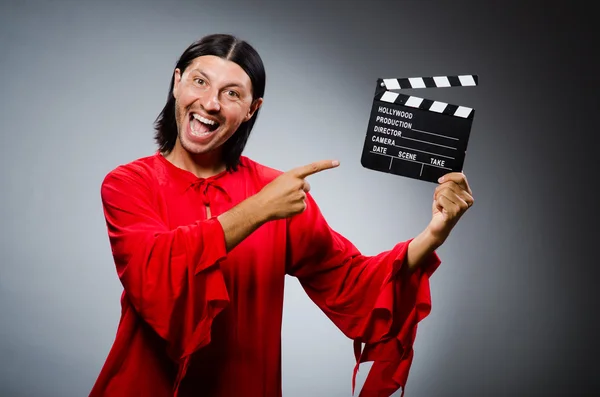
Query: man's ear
x=256, y=104
x=176, y=82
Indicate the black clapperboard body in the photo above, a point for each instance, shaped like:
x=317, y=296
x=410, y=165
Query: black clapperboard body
x=416, y=137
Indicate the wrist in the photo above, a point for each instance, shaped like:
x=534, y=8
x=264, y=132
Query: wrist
x=258, y=209
x=421, y=247
x=432, y=238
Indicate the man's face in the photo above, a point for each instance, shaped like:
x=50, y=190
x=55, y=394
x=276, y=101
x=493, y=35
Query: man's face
x=212, y=98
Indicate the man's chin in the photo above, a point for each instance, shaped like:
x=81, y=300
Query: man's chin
x=195, y=148
x=198, y=148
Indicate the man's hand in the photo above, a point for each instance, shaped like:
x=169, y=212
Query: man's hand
x=281, y=198
x=451, y=199
x=285, y=195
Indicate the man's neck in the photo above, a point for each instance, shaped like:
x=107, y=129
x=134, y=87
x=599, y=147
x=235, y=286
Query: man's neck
x=203, y=166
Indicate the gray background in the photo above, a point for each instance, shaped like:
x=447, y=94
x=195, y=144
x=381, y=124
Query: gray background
x=514, y=310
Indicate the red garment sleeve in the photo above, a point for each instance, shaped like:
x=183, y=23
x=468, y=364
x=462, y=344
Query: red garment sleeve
x=171, y=277
x=369, y=298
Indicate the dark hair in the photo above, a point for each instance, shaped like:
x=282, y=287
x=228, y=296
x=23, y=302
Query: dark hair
x=227, y=47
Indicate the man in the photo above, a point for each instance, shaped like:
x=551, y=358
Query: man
x=202, y=239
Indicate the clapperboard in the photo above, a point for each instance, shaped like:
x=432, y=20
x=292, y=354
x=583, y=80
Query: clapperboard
x=416, y=137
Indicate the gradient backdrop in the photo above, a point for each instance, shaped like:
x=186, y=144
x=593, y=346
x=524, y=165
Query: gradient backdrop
x=514, y=307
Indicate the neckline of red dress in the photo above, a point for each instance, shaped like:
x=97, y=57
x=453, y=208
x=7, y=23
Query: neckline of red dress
x=189, y=176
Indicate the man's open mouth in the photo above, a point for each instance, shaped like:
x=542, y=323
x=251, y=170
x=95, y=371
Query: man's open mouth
x=201, y=125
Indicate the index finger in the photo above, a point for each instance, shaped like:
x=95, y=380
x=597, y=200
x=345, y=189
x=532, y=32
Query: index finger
x=313, y=168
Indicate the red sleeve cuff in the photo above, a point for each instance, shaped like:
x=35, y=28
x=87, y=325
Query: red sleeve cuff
x=215, y=250
x=214, y=296
x=391, y=329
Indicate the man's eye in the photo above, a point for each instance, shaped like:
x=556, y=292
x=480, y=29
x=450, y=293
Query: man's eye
x=233, y=94
x=199, y=81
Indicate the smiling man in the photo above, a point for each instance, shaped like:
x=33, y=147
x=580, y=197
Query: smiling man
x=203, y=237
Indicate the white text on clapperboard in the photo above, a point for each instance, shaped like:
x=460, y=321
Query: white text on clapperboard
x=392, y=132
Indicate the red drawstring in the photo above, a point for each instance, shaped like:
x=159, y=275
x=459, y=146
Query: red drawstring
x=207, y=189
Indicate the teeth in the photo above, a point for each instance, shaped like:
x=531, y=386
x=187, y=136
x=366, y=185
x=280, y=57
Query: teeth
x=196, y=133
x=203, y=120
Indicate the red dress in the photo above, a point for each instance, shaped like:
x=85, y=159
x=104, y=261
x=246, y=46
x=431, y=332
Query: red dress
x=198, y=321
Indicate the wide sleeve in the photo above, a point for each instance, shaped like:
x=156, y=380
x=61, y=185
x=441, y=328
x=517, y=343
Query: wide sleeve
x=371, y=299
x=171, y=277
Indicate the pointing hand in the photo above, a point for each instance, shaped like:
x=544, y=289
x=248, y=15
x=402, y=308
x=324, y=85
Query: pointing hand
x=285, y=195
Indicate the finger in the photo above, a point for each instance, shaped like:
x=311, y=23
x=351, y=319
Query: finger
x=303, y=206
x=302, y=202
x=438, y=206
x=451, y=189
x=451, y=197
x=457, y=177
x=447, y=187
x=313, y=168
x=468, y=199
x=459, y=201
x=306, y=186
x=448, y=207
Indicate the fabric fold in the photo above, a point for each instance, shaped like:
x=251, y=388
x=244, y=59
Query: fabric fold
x=391, y=329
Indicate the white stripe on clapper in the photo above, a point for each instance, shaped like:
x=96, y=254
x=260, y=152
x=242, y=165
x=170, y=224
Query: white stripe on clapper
x=416, y=82
x=442, y=81
x=463, y=111
x=466, y=80
x=414, y=102
x=438, y=107
x=389, y=96
x=391, y=84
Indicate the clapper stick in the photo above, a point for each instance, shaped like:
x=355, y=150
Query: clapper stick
x=417, y=137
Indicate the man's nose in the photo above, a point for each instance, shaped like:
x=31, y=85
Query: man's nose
x=210, y=101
